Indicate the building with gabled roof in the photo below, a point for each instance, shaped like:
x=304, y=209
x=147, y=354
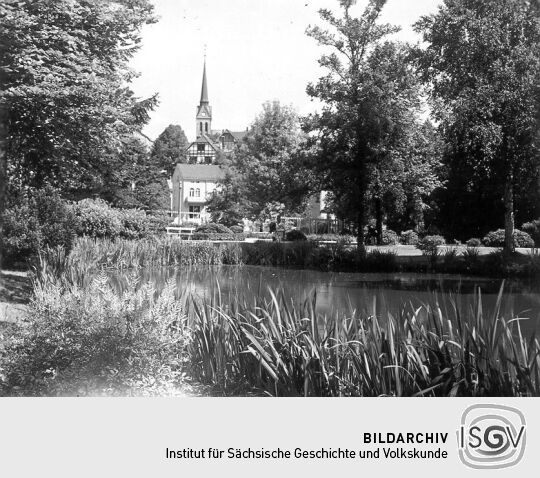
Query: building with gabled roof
x=209, y=141
x=193, y=185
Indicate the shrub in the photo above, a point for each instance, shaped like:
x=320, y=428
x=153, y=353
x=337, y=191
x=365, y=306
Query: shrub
x=389, y=238
x=135, y=224
x=533, y=229
x=97, y=219
x=157, y=223
x=496, y=239
x=377, y=261
x=409, y=238
x=213, y=228
x=22, y=234
x=237, y=229
x=295, y=235
x=41, y=219
x=94, y=340
x=429, y=244
x=474, y=242
x=206, y=236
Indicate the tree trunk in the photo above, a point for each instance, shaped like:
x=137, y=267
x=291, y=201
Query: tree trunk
x=360, y=235
x=509, y=245
x=3, y=170
x=379, y=219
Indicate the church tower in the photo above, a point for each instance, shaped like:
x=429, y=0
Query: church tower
x=204, y=110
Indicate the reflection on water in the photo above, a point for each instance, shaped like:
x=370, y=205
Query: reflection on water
x=339, y=293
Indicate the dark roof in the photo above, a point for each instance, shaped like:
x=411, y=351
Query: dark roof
x=204, y=89
x=200, y=172
x=203, y=138
x=238, y=135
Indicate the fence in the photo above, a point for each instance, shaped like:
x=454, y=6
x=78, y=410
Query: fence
x=317, y=225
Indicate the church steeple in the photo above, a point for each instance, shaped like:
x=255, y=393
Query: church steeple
x=204, y=110
x=204, y=89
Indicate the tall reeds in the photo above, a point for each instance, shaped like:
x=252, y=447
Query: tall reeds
x=437, y=349
x=95, y=254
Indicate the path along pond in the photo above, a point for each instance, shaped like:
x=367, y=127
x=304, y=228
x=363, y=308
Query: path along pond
x=336, y=294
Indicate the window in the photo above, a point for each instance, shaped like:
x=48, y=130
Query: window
x=200, y=127
x=194, y=212
x=197, y=193
x=206, y=127
x=200, y=147
x=191, y=192
x=208, y=159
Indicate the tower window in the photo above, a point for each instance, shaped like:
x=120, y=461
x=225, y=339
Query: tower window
x=200, y=126
x=206, y=127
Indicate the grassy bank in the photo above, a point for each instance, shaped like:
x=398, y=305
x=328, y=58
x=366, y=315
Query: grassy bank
x=95, y=254
x=91, y=339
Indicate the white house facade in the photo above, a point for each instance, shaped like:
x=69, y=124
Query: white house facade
x=192, y=186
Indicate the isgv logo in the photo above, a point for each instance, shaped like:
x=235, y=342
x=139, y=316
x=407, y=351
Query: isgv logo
x=491, y=436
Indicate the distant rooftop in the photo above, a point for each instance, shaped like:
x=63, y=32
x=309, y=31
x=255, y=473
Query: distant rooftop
x=200, y=172
x=238, y=135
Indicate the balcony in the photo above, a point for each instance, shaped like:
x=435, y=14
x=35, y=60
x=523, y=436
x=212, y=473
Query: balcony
x=190, y=217
x=196, y=200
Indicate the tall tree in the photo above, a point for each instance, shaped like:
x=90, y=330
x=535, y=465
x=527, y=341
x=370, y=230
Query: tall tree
x=482, y=61
x=413, y=172
x=3, y=159
x=369, y=96
x=170, y=148
x=136, y=181
x=65, y=87
x=267, y=166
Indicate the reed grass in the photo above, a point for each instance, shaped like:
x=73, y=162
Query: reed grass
x=96, y=254
x=436, y=349
x=89, y=255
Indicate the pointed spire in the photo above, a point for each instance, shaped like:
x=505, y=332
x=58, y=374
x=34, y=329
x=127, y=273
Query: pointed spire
x=204, y=90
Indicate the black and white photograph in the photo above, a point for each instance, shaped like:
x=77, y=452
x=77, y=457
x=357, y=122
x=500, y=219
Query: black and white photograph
x=286, y=198
x=208, y=204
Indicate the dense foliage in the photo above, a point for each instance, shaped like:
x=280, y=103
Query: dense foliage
x=68, y=102
x=497, y=238
x=169, y=148
x=94, y=341
x=265, y=175
x=137, y=180
x=482, y=63
x=295, y=235
x=533, y=229
x=370, y=149
x=429, y=244
x=34, y=221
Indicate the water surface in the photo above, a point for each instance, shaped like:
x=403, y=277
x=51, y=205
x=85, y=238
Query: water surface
x=339, y=293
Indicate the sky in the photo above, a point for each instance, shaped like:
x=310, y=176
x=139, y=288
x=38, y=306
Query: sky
x=256, y=51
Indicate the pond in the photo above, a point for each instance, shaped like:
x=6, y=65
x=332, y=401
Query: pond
x=337, y=293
